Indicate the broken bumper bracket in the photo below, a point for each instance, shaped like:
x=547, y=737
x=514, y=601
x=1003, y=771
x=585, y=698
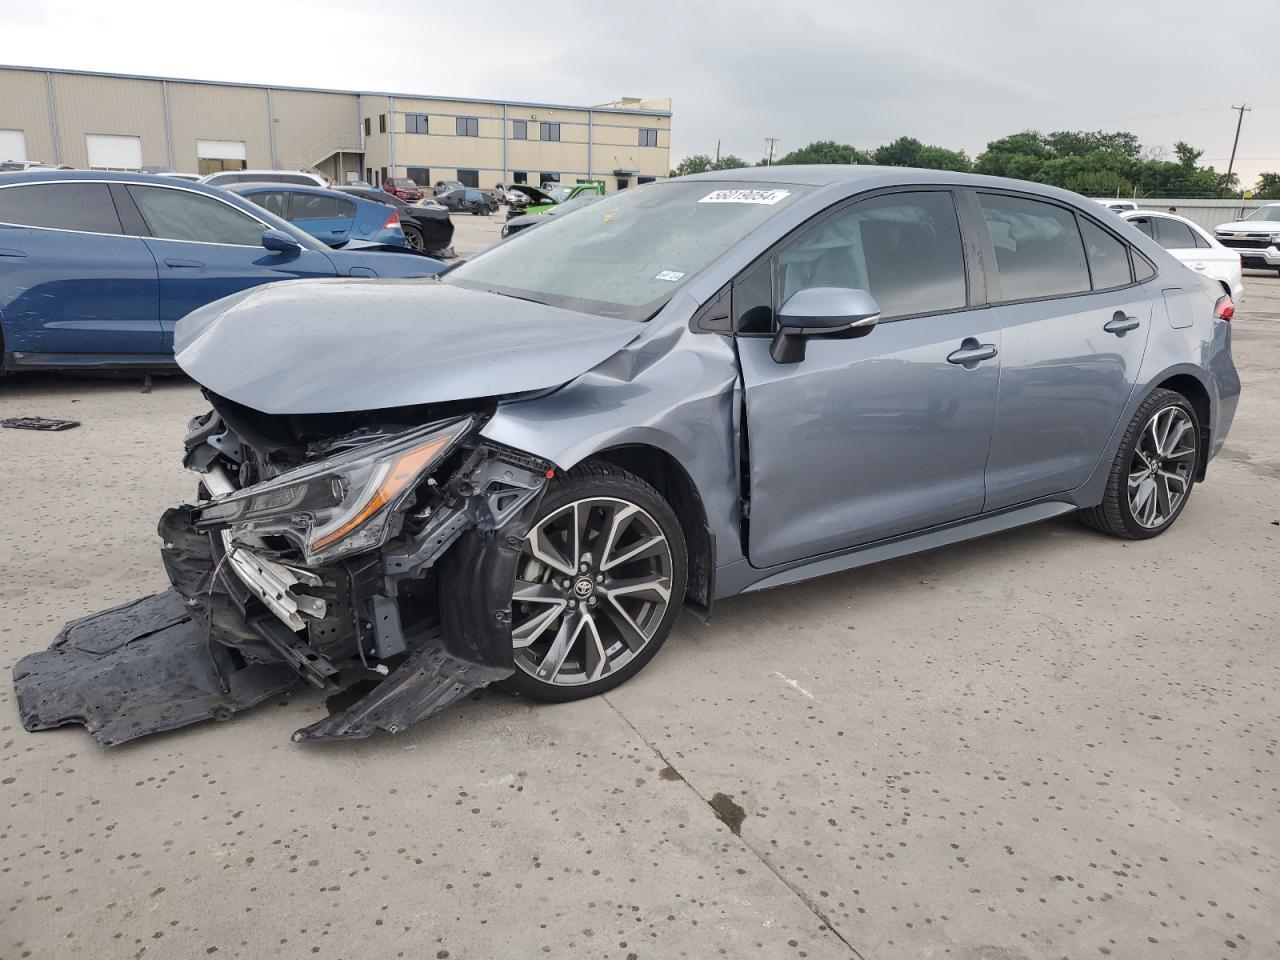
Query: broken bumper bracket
x=426, y=682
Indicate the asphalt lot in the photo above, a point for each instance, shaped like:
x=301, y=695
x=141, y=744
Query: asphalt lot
x=1044, y=744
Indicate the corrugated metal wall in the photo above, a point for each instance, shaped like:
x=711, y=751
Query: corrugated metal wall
x=112, y=105
x=25, y=106
x=1207, y=213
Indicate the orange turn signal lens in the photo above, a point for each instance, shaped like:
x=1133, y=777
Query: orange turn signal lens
x=403, y=471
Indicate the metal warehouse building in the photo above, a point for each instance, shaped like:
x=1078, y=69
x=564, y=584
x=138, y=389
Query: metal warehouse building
x=121, y=122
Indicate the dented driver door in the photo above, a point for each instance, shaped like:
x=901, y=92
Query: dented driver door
x=878, y=436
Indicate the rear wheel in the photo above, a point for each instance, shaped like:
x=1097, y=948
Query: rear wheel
x=413, y=238
x=1153, y=472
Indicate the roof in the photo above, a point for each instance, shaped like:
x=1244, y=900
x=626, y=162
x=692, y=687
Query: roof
x=351, y=93
x=867, y=176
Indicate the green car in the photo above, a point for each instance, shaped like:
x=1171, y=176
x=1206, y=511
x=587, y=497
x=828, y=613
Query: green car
x=540, y=201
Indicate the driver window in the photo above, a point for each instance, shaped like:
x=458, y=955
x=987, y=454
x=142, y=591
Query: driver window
x=902, y=248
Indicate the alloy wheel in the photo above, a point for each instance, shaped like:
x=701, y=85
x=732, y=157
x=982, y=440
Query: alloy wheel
x=1160, y=472
x=592, y=586
x=413, y=240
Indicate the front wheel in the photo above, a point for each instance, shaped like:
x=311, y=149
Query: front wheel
x=1153, y=472
x=597, y=587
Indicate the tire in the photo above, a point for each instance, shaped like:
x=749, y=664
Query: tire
x=613, y=511
x=1166, y=465
x=413, y=238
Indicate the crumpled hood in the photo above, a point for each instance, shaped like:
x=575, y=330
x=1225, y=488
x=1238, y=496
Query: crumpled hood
x=341, y=345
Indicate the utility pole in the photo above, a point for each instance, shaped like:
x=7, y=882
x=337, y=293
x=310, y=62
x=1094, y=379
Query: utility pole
x=1242, y=110
x=772, y=141
x=717, y=154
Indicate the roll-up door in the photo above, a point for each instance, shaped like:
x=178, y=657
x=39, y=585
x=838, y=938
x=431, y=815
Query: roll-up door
x=112, y=152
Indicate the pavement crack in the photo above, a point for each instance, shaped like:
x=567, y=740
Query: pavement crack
x=732, y=815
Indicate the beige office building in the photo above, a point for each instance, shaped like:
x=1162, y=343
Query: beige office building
x=119, y=122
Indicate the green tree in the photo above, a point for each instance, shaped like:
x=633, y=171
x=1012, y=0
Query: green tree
x=1068, y=143
x=937, y=158
x=1019, y=155
x=825, y=151
x=698, y=163
x=903, y=152
x=701, y=163
x=1268, y=187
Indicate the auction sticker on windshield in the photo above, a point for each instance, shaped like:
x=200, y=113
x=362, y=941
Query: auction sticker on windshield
x=767, y=197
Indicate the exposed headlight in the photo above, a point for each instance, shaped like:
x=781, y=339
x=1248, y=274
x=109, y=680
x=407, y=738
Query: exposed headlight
x=340, y=505
x=1275, y=238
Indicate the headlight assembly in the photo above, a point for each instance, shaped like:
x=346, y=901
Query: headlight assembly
x=340, y=505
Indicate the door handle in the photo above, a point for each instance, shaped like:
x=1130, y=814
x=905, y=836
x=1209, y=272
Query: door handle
x=971, y=353
x=1121, y=324
x=183, y=264
x=1199, y=266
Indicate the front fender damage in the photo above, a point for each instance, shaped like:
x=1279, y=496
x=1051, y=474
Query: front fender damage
x=207, y=648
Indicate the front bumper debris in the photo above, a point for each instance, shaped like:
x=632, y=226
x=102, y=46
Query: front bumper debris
x=144, y=667
x=239, y=627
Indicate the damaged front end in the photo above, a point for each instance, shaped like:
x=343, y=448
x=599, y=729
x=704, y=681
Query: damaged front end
x=312, y=554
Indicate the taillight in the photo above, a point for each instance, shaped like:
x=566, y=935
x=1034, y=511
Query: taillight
x=1224, y=309
x=392, y=221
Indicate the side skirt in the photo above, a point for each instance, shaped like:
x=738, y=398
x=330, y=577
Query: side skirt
x=747, y=578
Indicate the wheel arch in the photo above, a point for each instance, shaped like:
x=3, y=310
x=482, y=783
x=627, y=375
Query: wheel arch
x=664, y=473
x=1197, y=394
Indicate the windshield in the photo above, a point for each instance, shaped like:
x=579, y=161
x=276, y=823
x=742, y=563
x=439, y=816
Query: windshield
x=1270, y=212
x=626, y=255
x=560, y=194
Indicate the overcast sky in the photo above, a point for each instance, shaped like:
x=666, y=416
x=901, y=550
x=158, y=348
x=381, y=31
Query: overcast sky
x=952, y=73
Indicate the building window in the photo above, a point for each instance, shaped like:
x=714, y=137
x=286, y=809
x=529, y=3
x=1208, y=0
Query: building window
x=383, y=178
x=415, y=123
x=468, y=127
x=368, y=127
x=648, y=137
x=548, y=131
x=544, y=178
x=519, y=130
x=419, y=175
x=382, y=123
x=519, y=176
x=469, y=178
x=368, y=172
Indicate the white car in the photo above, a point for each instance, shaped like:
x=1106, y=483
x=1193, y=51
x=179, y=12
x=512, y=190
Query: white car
x=1117, y=205
x=1257, y=237
x=1193, y=245
x=225, y=178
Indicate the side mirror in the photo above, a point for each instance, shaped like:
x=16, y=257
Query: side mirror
x=278, y=241
x=828, y=312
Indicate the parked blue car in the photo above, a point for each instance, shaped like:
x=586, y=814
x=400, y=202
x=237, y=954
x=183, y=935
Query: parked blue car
x=96, y=268
x=333, y=218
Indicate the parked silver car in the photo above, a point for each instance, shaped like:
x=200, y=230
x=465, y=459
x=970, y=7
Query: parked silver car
x=522, y=470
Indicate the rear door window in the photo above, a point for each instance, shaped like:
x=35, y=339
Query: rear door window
x=191, y=216
x=63, y=206
x=1039, y=251
x=1108, y=257
x=1173, y=235
x=902, y=248
x=314, y=206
